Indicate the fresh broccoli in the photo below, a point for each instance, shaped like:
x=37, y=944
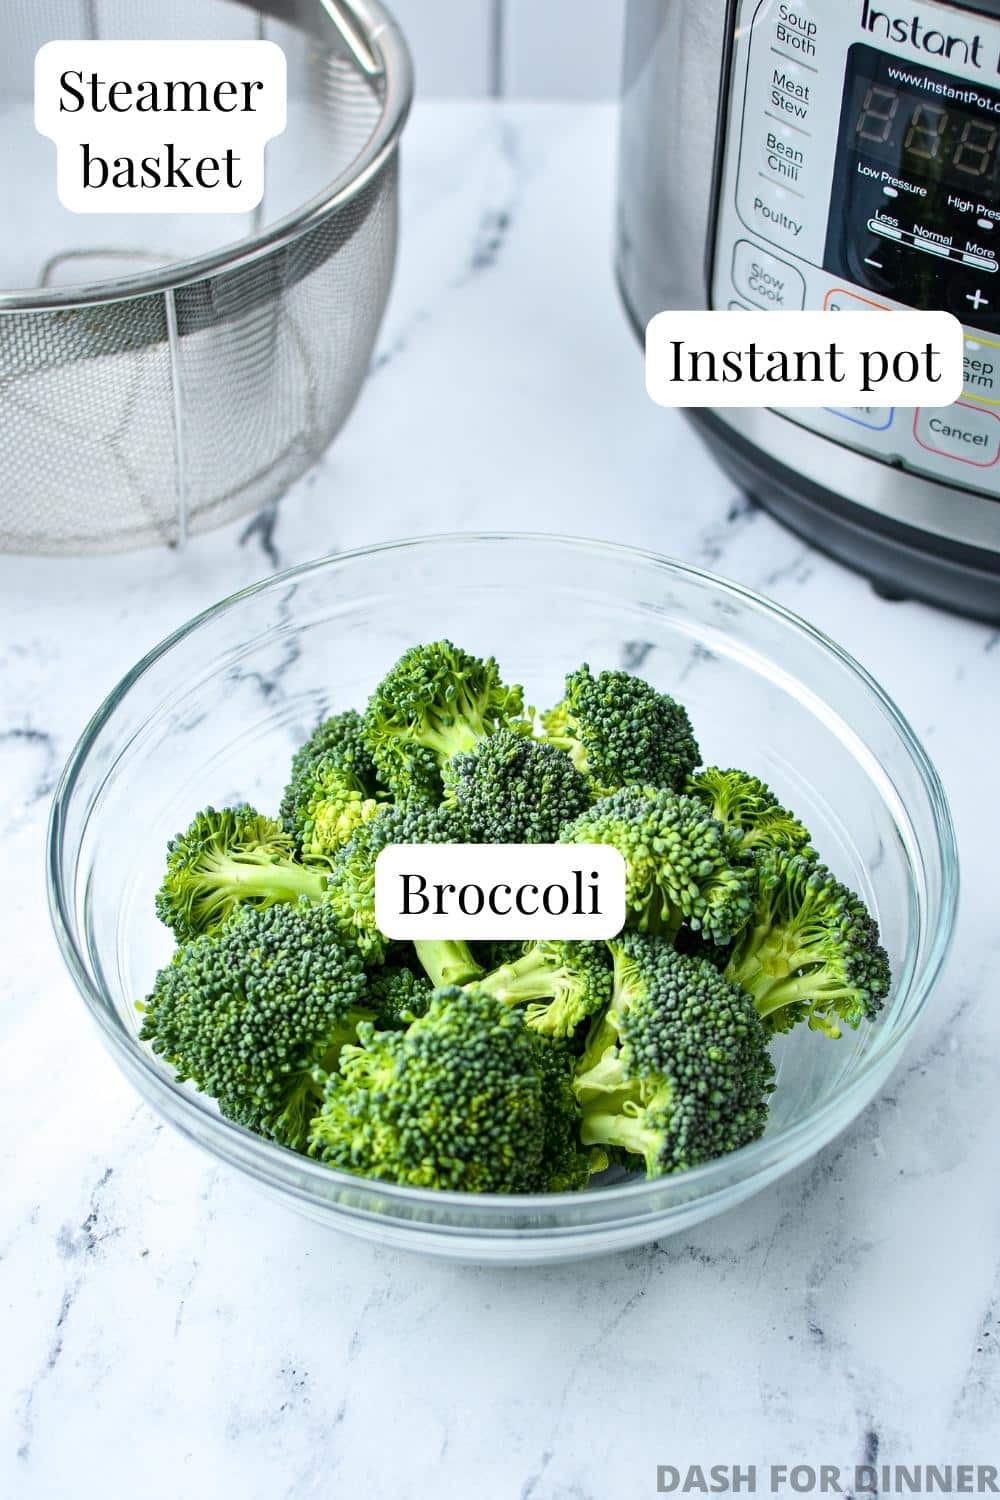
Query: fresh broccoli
x=512, y=790
x=567, y=1165
x=332, y=785
x=742, y=801
x=677, y=1070
x=566, y=983
x=453, y=1102
x=398, y=995
x=511, y=1066
x=235, y=857
x=620, y=731
x=257, y=1014
x=436, y=702
x=351, y=887
x=681, y=864
x=811, y=950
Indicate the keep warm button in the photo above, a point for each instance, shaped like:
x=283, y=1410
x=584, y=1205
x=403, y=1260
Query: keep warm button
x=962, y=432
x=766, y=280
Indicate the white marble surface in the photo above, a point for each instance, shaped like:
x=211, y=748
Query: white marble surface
x=168, y=1332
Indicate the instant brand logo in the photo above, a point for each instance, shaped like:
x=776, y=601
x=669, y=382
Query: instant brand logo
x=913, y=31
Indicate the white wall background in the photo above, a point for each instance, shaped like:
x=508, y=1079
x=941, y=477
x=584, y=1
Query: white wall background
x=559, y=49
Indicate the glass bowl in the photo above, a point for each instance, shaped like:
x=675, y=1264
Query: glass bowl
x=213, y=714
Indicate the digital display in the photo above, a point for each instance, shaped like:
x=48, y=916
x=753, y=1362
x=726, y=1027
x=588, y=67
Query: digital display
x=924, y=136
x=915, y=205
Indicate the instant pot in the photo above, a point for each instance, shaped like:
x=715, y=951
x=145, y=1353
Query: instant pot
x=845, y=155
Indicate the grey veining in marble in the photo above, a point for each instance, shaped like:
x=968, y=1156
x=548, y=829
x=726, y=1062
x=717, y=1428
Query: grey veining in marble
x=168, y=1332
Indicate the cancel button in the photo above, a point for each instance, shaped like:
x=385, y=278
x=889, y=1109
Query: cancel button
x=962, y=432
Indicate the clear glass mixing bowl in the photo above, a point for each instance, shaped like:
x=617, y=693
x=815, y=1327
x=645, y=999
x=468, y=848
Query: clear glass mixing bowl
x=214, y=713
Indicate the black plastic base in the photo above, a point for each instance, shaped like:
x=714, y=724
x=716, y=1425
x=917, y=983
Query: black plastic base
x=903, y=563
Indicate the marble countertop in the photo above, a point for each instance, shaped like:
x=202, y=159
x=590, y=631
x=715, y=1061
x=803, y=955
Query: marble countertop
x=166, y=1330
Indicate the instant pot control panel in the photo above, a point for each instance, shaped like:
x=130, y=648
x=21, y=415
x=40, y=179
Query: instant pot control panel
x=861, y=172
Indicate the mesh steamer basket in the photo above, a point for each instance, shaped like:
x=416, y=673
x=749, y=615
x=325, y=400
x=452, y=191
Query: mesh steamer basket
x=161, y=374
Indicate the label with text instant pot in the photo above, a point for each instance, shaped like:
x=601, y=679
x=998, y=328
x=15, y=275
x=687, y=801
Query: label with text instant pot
x=160, y=127
x=840, y=359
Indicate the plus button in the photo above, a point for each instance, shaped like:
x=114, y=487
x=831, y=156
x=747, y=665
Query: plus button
x=977, y=299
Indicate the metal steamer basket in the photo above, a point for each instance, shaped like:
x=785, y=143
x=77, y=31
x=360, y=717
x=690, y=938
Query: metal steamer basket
x=162, y=374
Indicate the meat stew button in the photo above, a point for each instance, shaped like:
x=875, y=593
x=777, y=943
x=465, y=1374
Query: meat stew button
x=965, y=433
x=766, y=280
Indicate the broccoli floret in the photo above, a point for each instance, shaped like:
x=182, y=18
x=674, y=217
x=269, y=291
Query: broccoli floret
x=453, y=1102
x=334, y=815
x=512, y=790
x=398, y=995
x=565, y=983
x=620, y=731
x=742, y=801
x=677, y=1070
x=333, y=778
x=256, y=1015
x=567, y=1165
x=681, y=865
x=811, y=951
x=331, y=807
x=351, y=887
x=436, y=702
x=234, y=857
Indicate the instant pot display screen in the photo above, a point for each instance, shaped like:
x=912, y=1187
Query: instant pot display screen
x=935, y=143
x=915, y=213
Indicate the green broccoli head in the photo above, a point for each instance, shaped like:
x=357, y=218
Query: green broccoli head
x=436, y=702
x=333, y=766
x=257, y=1014
x=560, y=983
x=811, y=951
x=567, y=1165
x=454, y=1101
x=513, y=790
x=351, y=886
x=226, y=859
x=398, y=995
x=681, y=864
x=677, y=1071
x=620, y=732
x=331, y=807
x=743, y=802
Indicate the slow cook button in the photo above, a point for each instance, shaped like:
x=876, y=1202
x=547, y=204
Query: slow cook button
x=766, y=280
x=962, y=432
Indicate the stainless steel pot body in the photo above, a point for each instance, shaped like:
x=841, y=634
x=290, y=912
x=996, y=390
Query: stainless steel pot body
x=841, y=154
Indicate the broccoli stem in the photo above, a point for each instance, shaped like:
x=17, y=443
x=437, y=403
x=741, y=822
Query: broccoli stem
x=447, y=962
x=770, y=972
x=603, y=1079
x=527, y=978
x=454, y=739
x=557, y=1017
x=611, y=1126
x=800, y=989
x=573, y=748
x=247, y=876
